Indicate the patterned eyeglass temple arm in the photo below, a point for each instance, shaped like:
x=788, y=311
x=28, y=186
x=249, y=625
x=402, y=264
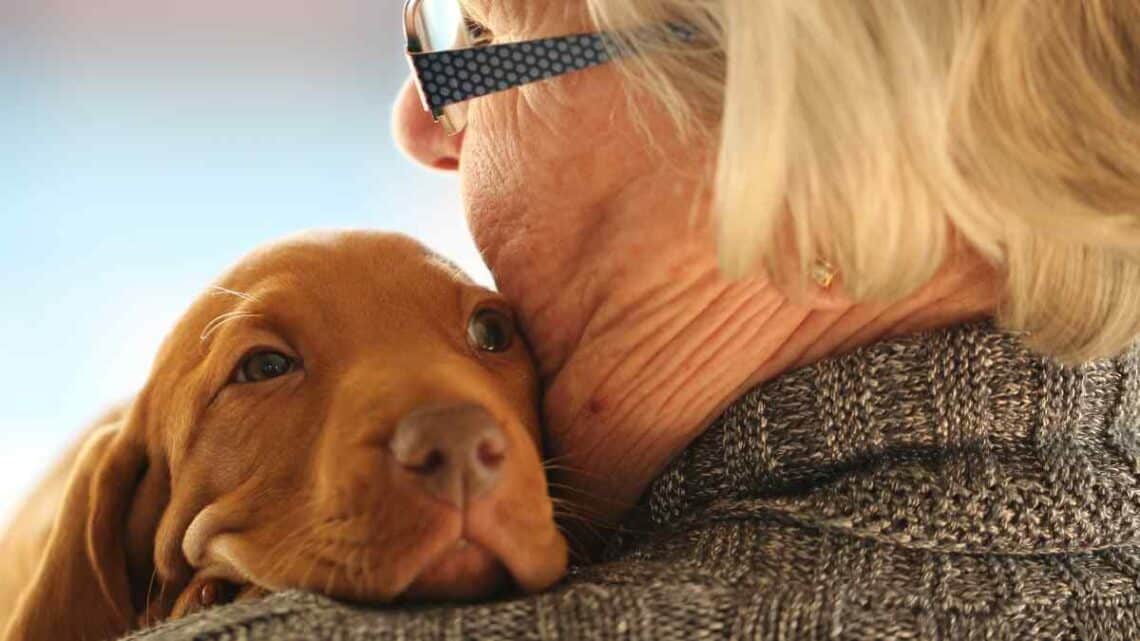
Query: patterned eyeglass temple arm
x=448, y=77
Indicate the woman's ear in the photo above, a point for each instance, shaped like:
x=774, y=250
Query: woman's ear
x=82, y=588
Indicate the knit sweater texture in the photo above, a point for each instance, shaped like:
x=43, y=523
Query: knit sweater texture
x=947, y=485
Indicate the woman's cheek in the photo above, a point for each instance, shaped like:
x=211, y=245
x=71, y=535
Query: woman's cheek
x=493, y=196
x=506, y=164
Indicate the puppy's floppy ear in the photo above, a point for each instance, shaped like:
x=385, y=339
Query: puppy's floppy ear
x=82, y=588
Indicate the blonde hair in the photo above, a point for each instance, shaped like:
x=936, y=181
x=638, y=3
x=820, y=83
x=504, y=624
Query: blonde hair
x=880, y=132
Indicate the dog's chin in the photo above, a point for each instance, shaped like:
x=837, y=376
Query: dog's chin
x=464, y=572
x=443, y=568
x=472, y=555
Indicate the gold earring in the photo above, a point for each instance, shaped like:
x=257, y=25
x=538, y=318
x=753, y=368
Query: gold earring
x=823, y=273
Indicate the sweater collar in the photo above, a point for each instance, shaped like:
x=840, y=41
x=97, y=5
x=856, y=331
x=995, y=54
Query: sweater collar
x=959, y=440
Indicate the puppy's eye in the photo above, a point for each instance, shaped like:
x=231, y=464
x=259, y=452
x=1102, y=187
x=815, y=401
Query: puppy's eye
x=490, y=330
x=264, y=365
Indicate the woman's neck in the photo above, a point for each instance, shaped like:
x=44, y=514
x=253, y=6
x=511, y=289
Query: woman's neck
x=640, y=352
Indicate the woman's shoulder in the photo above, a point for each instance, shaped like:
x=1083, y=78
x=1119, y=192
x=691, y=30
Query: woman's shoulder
x=733, y=580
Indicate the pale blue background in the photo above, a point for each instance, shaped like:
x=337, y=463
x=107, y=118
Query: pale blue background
x=144, y=146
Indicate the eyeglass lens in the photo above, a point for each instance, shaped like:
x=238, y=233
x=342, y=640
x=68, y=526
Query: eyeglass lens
x=441, y=25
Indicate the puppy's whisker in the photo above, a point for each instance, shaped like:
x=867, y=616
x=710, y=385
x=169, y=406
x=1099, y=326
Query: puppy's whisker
x=577, y=549
x=579, y=510
x=365, y=576
x=580, y=473
x=316, y=553
x=217, y=290
x=302, y=549
x=281, y=565
x=565, y=517
x=366, y=569
x=590, y=526
x=578, y=523
x=574, y=542
x=221, y=320
x=339, y=568
x=581, y=516
x=313, y=561
x=563, y=470
x=149, y=591
x=350, y=574
x=578, y=495
x=331, y=578
x=161, y=589
x=565, y=501
x=555, y=467
x=552, y=460
x=573, y=470
x=343, y=568
x=282, y=542
x=365, y=580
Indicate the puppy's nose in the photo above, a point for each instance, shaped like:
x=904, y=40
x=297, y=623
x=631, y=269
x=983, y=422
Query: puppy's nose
x=457, y=452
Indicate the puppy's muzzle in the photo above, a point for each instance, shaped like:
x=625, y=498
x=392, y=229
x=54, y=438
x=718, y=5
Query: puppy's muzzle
x=456, y=453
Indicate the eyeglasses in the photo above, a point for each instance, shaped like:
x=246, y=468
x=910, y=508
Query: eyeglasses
x=453, y=60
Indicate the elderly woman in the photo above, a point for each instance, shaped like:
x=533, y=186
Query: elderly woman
x=830, y=299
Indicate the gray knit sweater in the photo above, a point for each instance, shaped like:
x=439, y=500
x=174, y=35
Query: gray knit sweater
x=944, y=486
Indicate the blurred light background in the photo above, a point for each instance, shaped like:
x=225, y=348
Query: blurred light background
x=144, y=146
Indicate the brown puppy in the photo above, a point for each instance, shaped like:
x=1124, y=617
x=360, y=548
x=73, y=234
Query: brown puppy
x=344, y=413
